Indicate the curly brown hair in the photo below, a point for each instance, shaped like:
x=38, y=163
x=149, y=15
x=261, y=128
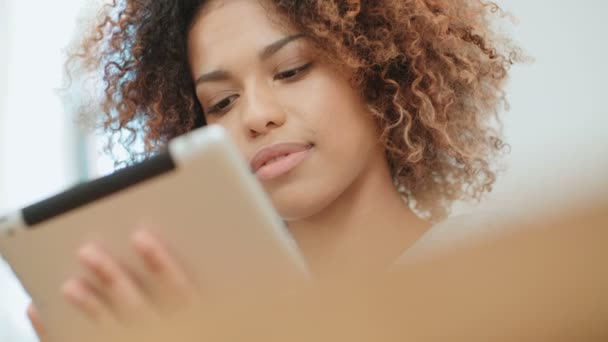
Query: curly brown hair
x=431, y=71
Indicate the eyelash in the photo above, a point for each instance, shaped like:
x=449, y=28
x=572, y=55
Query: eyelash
x=280, y=76
x=298, y=71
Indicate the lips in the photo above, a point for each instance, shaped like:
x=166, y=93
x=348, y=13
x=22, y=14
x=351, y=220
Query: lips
x=277, y=159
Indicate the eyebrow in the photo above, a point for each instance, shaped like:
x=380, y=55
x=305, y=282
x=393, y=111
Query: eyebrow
x=267, y=52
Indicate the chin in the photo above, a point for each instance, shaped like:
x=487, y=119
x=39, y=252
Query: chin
x=300, y=205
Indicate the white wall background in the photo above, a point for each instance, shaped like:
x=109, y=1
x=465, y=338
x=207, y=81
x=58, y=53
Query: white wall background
x=38, y=150
x=558, y=122
x=557, y=126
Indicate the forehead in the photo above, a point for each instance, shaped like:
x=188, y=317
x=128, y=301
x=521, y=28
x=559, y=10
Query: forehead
x=227, y=29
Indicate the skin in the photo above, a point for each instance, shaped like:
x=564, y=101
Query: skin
x=330, y=200
x=340, y=202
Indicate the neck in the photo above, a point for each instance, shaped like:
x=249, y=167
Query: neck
x=366, y=228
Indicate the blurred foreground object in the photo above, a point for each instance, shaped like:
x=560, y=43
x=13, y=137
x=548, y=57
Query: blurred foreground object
x=545, y=279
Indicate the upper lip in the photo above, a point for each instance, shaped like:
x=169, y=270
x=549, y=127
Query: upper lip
x=275, y=150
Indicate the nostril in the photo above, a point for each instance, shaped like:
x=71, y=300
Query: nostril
x=253, y=133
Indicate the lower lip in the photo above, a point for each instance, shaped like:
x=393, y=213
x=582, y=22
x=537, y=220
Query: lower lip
x=281, y=166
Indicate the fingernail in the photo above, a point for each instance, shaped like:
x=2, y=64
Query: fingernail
x=143, y=238
x=73, y=291
x=89, y=253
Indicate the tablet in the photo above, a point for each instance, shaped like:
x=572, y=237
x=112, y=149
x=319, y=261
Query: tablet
x=199, y=197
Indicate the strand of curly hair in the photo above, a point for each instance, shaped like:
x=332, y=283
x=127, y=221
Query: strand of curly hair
x=431, y=71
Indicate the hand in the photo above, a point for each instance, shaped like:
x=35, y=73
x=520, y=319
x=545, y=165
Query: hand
x=112, y=293
x=32, y=314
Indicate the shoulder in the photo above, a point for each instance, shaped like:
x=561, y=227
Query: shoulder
x=454, y=231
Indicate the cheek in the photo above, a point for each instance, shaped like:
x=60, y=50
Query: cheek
x=337, y=114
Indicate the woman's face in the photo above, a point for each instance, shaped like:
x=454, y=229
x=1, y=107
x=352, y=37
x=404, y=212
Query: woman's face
x=264, y=84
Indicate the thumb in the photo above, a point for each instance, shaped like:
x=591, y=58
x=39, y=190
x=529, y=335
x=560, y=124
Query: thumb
x=34, y=317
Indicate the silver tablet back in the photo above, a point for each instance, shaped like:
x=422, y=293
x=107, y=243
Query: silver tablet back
x=207, y=207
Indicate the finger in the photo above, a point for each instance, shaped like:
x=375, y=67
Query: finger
x=34, y=318
x=158, y=260
x=162, y=266
x=85, y=298
x=117, y=286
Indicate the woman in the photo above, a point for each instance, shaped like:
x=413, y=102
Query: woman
x=371, y=118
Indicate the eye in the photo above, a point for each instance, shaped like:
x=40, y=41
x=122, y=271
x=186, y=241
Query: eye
x=293, y=73
x=222, y=105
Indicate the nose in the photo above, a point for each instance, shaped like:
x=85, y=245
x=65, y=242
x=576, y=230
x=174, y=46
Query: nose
x=262, y=112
